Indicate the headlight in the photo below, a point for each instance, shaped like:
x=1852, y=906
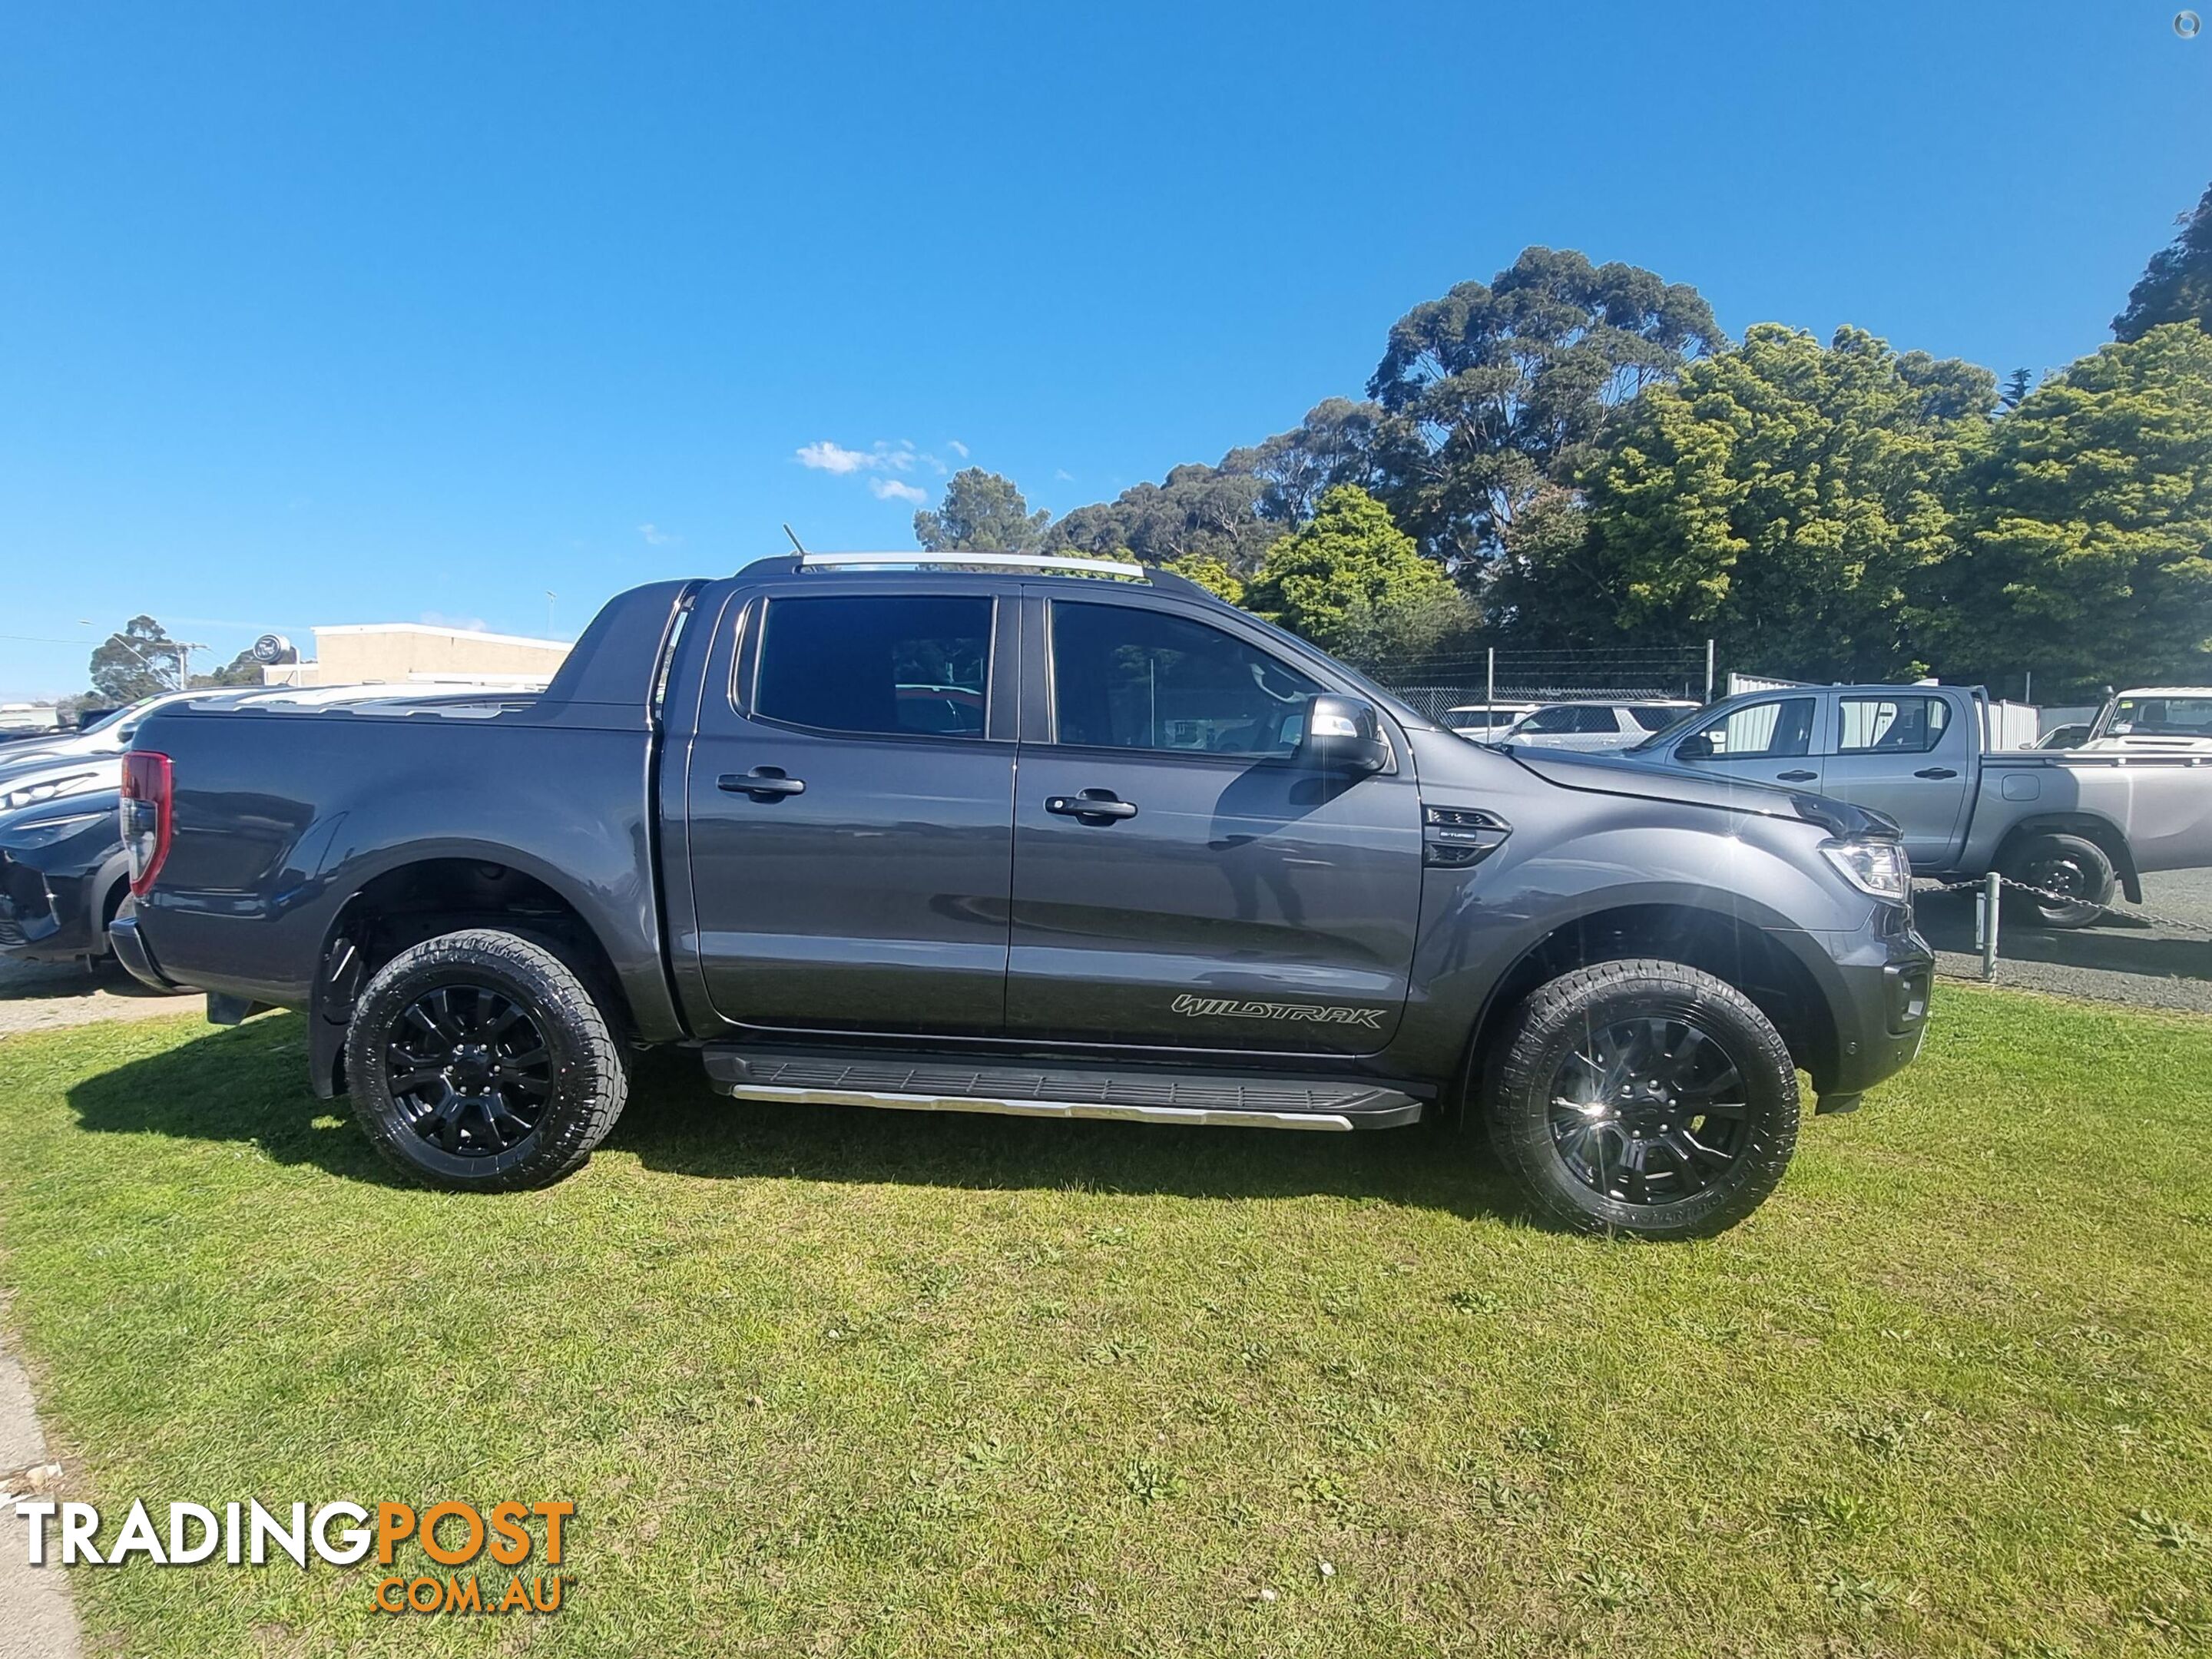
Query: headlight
x=76, y=783
x=47, y=831
x=1875, y=867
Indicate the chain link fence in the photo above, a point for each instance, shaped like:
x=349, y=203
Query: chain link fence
x=1436, y=685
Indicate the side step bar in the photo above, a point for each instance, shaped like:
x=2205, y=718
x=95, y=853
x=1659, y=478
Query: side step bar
x=1210, y=1099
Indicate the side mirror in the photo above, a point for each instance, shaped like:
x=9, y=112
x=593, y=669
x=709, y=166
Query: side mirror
x=1695, y=747
x=1342, y=734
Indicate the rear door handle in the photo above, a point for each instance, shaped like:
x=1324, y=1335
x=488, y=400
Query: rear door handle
x=1934, y=772
x=762, y=783
x=1796, y=777
x=1091, y=806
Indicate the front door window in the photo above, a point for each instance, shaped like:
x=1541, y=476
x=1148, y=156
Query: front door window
x=1127, y=679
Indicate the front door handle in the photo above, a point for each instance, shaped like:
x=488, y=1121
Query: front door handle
x=1936, y=772
x=1093, y=806
x=1796, y=777
x=762, y=783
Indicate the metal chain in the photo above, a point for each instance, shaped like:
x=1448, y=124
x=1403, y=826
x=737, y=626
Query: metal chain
x=1975, y=886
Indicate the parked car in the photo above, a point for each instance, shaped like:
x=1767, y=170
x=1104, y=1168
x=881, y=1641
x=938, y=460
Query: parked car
x=1594, y=727
x=2072, y=735
x=1484, y=720
x=106, y=738
x=1186, y=870
x=62, y=877
x=2080, y=824
x=2159, y=719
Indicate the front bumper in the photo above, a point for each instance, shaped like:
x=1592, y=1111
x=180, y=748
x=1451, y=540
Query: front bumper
x=1885, y=979
x=46, y=919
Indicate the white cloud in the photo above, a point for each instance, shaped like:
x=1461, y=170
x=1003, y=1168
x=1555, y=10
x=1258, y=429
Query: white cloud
x=1063, y=475
x=829, y=457
x=890, y=490
x=467, y=624
x=826, y=456
x=957, y=448
x=656, y=536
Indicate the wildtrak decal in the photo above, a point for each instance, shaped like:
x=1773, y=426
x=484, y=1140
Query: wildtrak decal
x=1232, y=1008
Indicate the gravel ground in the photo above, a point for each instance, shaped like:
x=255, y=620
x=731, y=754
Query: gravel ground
x=2165, y=963
x=40, y=996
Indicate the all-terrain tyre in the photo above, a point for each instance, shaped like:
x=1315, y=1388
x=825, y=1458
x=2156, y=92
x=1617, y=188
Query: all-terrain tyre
x=2075, y=868
x=478, y=1061
x=1642, y=1097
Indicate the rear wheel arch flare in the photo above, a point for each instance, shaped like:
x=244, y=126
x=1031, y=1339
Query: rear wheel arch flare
x=407, y=903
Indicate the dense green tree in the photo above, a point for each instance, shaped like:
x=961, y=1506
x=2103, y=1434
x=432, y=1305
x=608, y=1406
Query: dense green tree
x=981, y=512
x=1491, y=391
x=1339, y=442
x=1210, y=574
x=1788, y=499
x=137, y=662
x=2017, y=386
x=1353, y=583
x=1199, y=512
x=2177, y=287
x=2088, y=545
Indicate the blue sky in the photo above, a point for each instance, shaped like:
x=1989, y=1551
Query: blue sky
x=330, y=314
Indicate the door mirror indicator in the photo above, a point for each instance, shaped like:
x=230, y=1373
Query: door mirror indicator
x=1342, y=734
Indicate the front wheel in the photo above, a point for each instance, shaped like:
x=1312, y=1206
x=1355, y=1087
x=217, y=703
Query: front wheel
x=1643, y=1097
x=478, y=1061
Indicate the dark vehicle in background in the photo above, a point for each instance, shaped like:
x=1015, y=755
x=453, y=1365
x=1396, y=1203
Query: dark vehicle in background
x=1042, y=837
x=62, y=877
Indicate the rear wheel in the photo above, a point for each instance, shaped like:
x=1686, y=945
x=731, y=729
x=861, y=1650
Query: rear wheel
x=478, y=1061
x=2073, y=880
x=1644, y=1097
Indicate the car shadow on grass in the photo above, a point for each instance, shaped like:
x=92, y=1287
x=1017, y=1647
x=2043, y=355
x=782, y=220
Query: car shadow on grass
x=248, y=1085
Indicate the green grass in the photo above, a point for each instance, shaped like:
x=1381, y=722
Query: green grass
x=833, y=1382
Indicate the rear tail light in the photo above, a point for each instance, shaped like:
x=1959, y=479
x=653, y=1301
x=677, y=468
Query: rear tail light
x=146, y=816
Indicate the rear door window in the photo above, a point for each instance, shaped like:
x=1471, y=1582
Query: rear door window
x=905, y=665
x=1891, y=725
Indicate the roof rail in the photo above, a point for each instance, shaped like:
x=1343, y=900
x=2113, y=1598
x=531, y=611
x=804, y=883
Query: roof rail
x=1013, y=561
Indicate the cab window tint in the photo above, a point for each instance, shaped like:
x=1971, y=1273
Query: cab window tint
x=892, y=664
x=1764, y=731
x=1129, y=679
x=1891, y=725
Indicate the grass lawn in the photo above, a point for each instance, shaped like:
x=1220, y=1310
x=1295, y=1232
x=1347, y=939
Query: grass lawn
x=823, y=1381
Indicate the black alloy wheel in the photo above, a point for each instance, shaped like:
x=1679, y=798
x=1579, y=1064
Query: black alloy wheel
x=1648, y=1110
x=482, y=1060
x=1642, y=1097
x=468, y=1068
